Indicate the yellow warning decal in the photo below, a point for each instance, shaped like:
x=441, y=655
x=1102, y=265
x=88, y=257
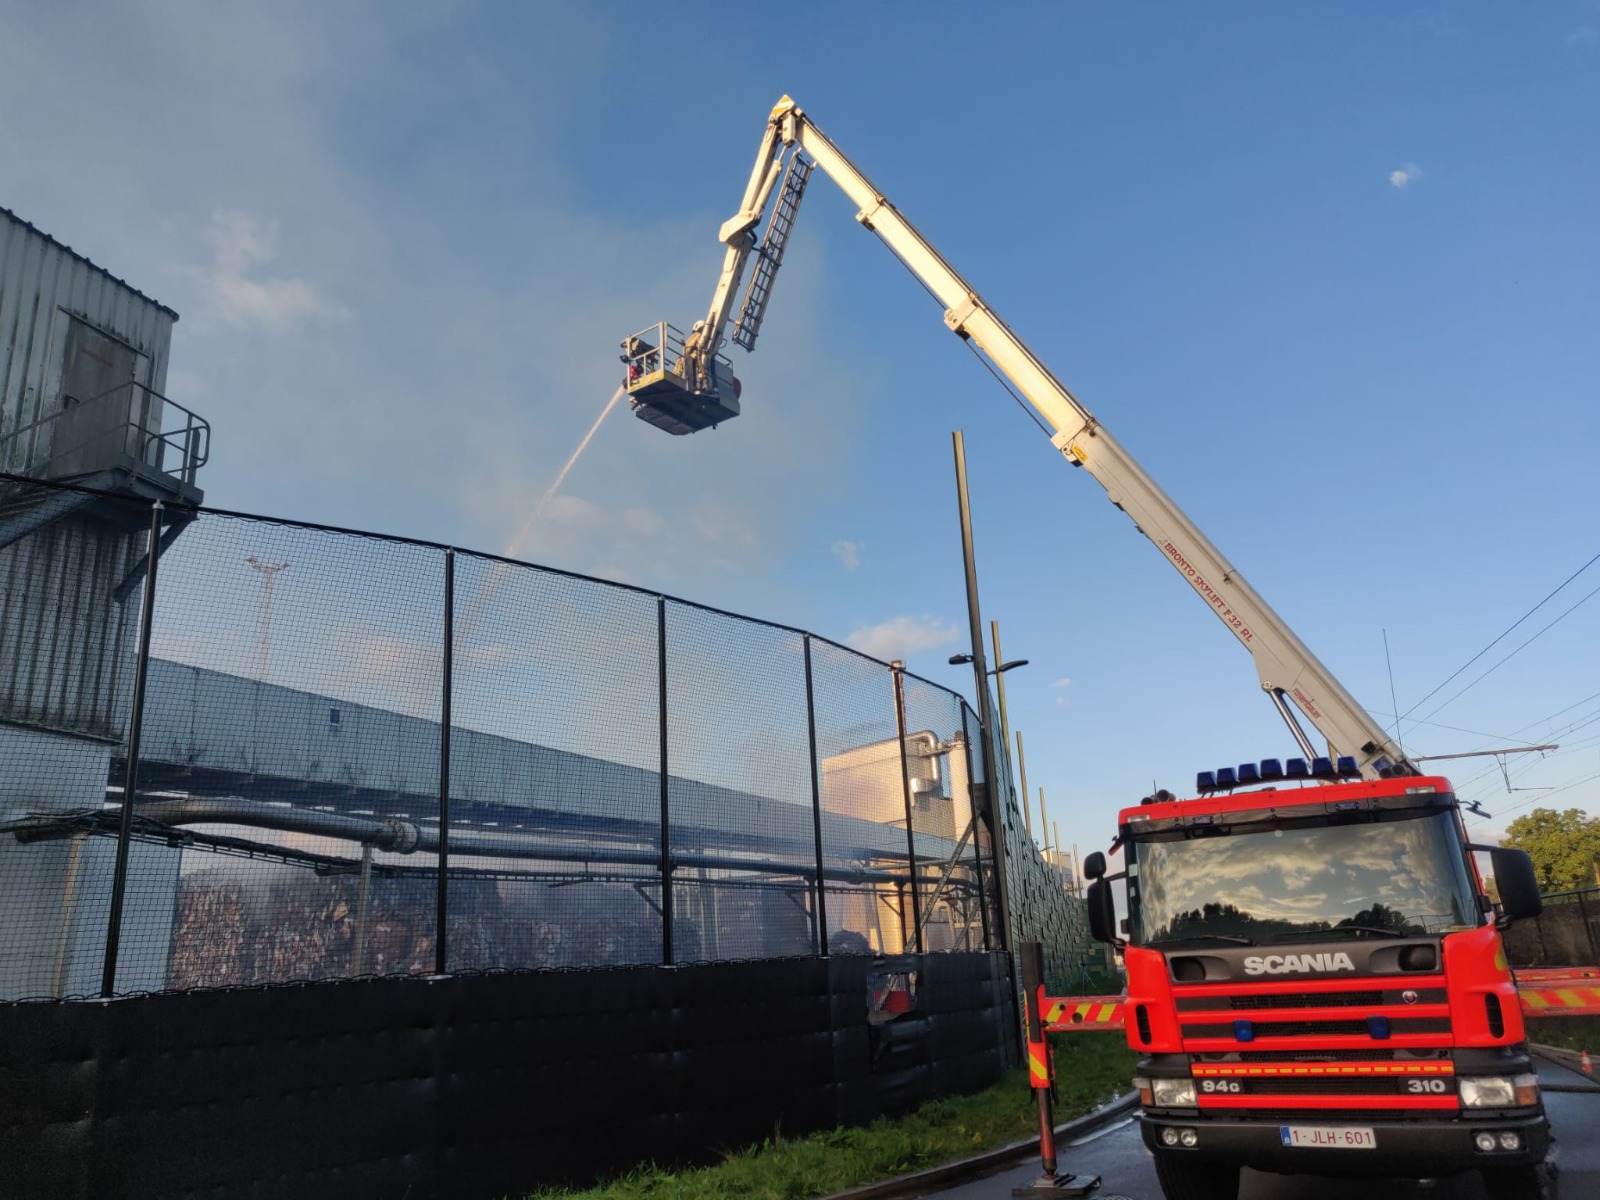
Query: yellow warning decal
x=1233, y=1070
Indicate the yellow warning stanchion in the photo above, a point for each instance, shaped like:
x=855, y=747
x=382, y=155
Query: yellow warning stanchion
x=1040, y=1075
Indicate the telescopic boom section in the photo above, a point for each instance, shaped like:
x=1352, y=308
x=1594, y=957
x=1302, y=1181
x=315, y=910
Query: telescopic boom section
x=1287, y=669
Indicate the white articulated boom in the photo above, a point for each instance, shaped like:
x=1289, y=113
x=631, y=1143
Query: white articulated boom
x=791, y=145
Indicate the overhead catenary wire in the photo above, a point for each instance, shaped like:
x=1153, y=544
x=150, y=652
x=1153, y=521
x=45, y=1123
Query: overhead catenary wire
x=1500, y=639
x=1487, y=784
x=1566, y=787
x=1548, y=730
x=1589, y=596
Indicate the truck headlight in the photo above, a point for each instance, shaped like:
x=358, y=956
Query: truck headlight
x=1173, y=1093
x=1499, y=1091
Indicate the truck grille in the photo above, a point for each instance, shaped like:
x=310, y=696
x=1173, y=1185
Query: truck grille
x=1349, y=1047
x=1398, y=1026
x=1323, y=1056
x=1364, y=998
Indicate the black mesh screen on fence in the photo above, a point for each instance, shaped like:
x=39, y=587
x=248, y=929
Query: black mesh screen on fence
x=865, y=848
x=555, y=769
x=291, y=732
x=943, y=819
x=303, y=690
x=739, y=789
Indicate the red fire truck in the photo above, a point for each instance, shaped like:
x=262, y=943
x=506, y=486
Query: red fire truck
x=1316, y=983
x=1315, y=975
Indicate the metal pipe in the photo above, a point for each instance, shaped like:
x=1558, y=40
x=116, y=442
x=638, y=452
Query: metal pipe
x=980, y=671
x=1044, y=823
x=381, y=833
x=395, y=836
x=130, y=775
x=1282, y=705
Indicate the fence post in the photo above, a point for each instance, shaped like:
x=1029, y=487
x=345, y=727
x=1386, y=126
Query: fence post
x=816, y=803
x=977, y=843
x=447, y=672
x=130, y=774
x=666, y=795
x=897, y=669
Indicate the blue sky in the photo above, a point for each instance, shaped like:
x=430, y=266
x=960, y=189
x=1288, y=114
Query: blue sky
x=1327, y=270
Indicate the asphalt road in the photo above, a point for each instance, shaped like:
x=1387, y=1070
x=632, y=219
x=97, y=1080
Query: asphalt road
x=1118, y=1156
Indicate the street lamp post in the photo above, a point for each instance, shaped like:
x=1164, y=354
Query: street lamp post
x=996, y=806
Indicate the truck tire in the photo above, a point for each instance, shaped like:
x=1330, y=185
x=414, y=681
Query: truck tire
x=1536, y=1181
x=1183, y=1178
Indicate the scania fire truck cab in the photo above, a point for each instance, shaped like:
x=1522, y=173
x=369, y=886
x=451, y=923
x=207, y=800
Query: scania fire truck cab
x=1316, y=985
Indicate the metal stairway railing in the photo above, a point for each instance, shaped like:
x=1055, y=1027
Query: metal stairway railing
x=139, y=438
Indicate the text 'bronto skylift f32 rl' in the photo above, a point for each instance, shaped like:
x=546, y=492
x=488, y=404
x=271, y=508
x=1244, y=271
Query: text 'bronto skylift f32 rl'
x=1316, y=982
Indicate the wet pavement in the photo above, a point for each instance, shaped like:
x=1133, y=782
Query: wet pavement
x=1118, y=1156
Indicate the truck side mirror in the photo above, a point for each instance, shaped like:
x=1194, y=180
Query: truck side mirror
x=1102, y=910
x=1517, y=882
x=1094, y=867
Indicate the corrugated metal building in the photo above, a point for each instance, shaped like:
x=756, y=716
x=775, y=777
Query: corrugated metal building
x=70, y=333
x=83, y=365
x=83, y=361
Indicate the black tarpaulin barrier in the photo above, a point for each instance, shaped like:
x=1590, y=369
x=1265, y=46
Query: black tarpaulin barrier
x=470, y=1086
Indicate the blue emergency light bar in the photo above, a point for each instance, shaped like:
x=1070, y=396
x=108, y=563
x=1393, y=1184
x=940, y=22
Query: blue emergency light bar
x=1271, y=770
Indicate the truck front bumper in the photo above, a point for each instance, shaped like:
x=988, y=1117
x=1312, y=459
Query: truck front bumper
x=1415, y=1149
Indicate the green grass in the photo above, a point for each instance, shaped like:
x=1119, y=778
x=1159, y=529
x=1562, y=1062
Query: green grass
x=1090, y=1068
x=1569, y=1033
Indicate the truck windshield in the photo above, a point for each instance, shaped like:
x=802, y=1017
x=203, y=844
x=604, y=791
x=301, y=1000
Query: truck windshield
x=1401, y=877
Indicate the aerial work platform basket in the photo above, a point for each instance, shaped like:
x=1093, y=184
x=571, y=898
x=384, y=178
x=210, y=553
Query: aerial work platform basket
x=667, y=386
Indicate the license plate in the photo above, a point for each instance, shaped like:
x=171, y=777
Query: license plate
x=1329, y=1137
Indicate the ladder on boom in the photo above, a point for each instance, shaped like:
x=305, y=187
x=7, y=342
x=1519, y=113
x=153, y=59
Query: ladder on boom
x=770, y=254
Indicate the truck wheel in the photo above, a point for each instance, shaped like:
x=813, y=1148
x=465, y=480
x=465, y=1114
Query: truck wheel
x=1536, y=1181
x=1182, y=1178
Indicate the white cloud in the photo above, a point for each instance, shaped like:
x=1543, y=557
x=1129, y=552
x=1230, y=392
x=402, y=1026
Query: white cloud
x=1404, y=176
x=848, y=553
x=1062, y=683
x=900, y=637
x=443, y=290
x=242, y=243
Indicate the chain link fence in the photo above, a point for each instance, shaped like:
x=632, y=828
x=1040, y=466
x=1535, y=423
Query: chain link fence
x=1565, y=934
x=288, y=752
